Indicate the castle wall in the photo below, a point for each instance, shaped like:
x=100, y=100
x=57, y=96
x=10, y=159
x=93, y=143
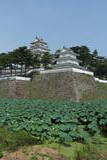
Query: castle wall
x=56, y=86
x=62, y=85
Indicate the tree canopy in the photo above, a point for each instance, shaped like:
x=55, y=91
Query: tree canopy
x=92, y=60
x=25, y=58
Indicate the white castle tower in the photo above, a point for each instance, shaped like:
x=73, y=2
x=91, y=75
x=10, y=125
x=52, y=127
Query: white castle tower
x=67, y=59
x=39, y=46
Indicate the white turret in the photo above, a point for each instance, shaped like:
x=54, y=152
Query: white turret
x=39, y=46
x=67, y=59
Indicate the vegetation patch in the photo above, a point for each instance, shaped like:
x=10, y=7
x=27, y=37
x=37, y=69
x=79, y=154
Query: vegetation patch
x=61, y=121
x=76, y=130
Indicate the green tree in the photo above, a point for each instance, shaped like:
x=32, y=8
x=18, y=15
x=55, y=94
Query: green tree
x=83, y=54
x=57, y=53
x=36, y=61
x=95, y=53
x=46, y=60
x=22, y=56
x=101, y=70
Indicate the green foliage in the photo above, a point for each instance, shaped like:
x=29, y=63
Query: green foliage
x=101, y=69
x=34, y=157
x=20, y=56
x=88, y=152
x=92, y=61
x=61, y=122
x=83, y=54
x=23, y=56
x=11, y=140
x=46, y=60
x=1, y=154
x=95, y=53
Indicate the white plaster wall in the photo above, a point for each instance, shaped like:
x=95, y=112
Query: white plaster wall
x=16, y=78
x=68, y=55
x=67, y=69
x=54, y=71
x=82, y=71
x=69, y=61
x=100, y=80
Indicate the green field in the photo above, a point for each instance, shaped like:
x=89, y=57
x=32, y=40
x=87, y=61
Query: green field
x=59, y=124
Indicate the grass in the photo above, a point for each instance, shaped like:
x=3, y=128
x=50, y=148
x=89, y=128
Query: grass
x=11, y=141
x=68, y=152
x=101, y=85
x=80, y=151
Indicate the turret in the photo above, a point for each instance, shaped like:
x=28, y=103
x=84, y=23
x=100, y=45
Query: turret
x=67, y=59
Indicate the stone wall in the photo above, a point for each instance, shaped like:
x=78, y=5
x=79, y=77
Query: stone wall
x=61, y=85
x=53, y=86
x=57, y=86
x=14, y=89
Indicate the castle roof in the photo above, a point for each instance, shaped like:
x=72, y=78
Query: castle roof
x=39, y=46
x=67, y=59
x=39, y=41
x=67, y=51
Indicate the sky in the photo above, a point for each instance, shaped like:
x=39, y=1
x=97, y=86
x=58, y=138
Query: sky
x=59, y=22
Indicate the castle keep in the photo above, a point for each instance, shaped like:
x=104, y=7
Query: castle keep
x=39, y=46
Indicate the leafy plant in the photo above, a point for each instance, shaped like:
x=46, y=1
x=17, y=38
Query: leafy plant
x=57, y=121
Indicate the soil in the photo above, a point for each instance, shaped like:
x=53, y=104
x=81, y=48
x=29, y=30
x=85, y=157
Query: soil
x=33, y=153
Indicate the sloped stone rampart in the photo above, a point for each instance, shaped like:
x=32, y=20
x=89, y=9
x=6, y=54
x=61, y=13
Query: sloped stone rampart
x=14, y=89
x=62, y=85
x=56, y=86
